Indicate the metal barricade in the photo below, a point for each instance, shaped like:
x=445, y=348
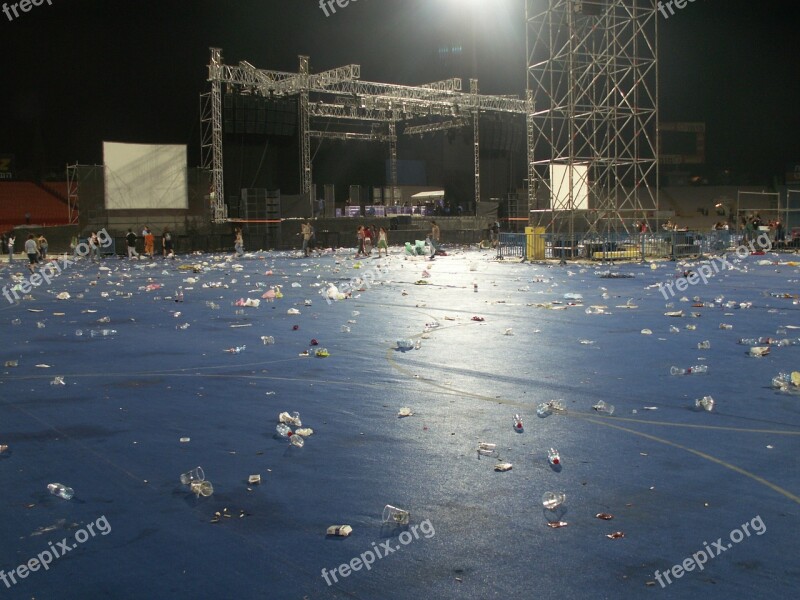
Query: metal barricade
x=511, y=245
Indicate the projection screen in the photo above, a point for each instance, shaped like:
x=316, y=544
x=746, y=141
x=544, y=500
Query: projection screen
x=560, y=190
x=145, y=176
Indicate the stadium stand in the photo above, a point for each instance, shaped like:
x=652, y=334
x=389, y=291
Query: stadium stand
x=45, y=206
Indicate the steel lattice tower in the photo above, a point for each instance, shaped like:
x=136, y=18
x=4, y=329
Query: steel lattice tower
x=593, y=88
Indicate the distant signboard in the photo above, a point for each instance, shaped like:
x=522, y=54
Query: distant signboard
x=682, y=143
x=6, y=166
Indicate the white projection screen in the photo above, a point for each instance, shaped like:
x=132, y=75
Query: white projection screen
x=145, y=176
x=559, y=180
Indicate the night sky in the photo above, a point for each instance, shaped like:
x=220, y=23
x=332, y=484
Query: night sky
x=83, y=71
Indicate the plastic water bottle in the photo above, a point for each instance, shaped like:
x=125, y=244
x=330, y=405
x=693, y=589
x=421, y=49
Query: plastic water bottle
x=545, y=409
x=762, y=341
x=518, y=423
x=179, y=295
x=553, y=457
x=782, y=381
x=695, y=370
x=103, y=332
x=60, y=490
x=704, y=345
x=284, y=431
x=725, y=326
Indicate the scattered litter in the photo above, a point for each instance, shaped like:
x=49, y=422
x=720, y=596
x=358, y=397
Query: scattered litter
x=616, y=535
x=254, y=479
x=340, y=530
x=604, y=516
x=405, y=412
x=604, y=408
x=557, y=524
x=503, y=467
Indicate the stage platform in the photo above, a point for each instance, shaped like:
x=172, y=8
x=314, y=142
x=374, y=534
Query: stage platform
x=675, y=479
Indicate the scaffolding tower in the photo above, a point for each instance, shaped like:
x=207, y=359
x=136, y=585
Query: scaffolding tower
x=352, y=110
x=593, y=127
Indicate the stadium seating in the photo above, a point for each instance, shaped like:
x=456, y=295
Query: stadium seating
x=45, y=207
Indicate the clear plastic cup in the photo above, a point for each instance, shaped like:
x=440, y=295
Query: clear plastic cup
x=552, y=500
x=395, y=516
x=195, y=475
x=202, y=488
x=602, y=407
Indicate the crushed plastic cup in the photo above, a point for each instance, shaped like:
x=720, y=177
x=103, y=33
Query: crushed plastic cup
x=267, y=340
x=290, y=418
x=202, y=488
x=395, y=516
x=196, y=474
x=405, y=344
x=552, y=500
x=706, y=403
x=58, y=381
x=487, y=449
x=602, y=407
x=345, y=329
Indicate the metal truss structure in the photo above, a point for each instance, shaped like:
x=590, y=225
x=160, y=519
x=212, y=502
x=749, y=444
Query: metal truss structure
x=72, y=193
x=352, y=109
x=592, y=82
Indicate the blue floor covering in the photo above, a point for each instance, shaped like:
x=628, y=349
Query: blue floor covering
x=675, y=479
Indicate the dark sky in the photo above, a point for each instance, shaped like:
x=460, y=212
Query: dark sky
x=83, y=71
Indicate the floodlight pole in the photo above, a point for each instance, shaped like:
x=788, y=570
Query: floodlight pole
x=476, y=127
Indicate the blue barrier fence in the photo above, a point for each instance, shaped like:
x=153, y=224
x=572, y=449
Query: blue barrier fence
x=637, y=246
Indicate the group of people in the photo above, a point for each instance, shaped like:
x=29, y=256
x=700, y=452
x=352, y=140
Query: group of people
x=753, y=224
x=369, y=237
x=167, y=249
x=35, y=247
